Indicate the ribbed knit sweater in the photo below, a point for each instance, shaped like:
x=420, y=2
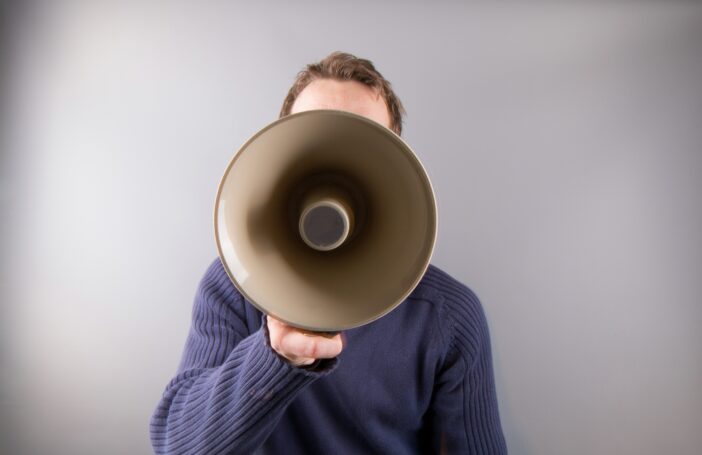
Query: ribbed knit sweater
x=417, y=380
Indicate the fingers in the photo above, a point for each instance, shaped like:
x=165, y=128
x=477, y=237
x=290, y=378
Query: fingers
x=301, y=347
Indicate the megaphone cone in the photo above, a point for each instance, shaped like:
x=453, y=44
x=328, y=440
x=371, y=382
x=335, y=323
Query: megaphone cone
x=325, y=220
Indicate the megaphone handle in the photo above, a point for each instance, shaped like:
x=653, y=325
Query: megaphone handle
x=312, y=333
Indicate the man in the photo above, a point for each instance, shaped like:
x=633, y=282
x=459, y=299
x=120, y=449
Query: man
x=418, y=380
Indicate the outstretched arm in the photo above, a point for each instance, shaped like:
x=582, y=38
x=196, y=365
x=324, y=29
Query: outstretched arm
x=231, y=388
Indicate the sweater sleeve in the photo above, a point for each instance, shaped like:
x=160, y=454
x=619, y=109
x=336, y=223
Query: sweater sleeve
x=464, y=410
x=231, y=388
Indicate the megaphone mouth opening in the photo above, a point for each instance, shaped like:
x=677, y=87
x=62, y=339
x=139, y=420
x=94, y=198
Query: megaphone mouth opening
x=379, y=246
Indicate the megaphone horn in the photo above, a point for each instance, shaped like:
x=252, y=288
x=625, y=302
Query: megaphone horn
x=325, y=220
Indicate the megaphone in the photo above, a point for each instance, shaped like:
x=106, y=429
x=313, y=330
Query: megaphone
x=325, y=219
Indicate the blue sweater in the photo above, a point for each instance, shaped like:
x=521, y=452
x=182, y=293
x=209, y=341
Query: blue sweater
x=417, y=380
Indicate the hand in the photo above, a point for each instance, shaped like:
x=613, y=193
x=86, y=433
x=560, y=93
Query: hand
x=301, y=347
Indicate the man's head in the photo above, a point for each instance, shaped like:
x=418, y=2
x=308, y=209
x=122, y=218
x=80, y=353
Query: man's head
x=344, y=82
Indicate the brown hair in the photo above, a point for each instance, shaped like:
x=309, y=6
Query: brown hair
x=346, y=67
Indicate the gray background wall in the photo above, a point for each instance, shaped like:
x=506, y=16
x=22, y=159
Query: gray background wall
x=564, y=142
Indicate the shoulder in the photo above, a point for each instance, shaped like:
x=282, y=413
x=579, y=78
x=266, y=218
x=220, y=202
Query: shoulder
x=215, y=285
x=459, y=297
x=217, y=295
x=463, y=318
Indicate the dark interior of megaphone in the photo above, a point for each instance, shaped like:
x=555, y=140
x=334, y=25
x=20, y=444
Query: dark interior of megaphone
x=328, y=209
x=325, y=220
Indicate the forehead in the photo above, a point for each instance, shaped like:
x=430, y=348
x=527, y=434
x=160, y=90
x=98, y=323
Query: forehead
x=350, y=96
